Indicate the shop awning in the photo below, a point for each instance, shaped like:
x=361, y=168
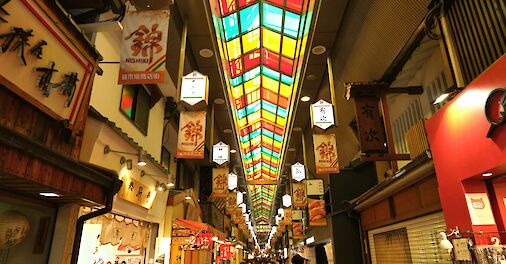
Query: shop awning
x=196, y=227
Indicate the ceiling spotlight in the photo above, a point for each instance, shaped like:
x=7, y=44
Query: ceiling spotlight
x=227, y=131
x=206, y=53
x=305, y=98
x=311, y=77
x=318, y=50
x=170, y=184
x=219, y=101
x=233, y=151
x=141, y=158
x=147, y=6
x=49, y=194
x=160, y=188
x=441, y=98
x=488, y=174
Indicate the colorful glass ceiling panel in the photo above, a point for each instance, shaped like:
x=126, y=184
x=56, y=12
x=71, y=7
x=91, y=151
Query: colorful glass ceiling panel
x=262, y=45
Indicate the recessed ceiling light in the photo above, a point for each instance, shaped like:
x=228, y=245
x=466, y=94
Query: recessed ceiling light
x=318, y=50
x=49, y=194
x=206, y=53
x=188, y=197
x=219, y=101
x=297, y=129
x=291, y=149
x=148, y=6
x=488, y=174
x=305, y=98
x=227, y=131
x=233, y=151
x=170, y=184
x=311, y=77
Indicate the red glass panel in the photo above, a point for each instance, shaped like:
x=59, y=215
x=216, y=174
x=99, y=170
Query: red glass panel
x=244, y=131
x=239, y=103
x=295, y=5
x=267, y=126
x=270, y=59
x=286, y=66
x=252, y=60
x=269, y=96
x=283, y=102
x=279, y=130
x=236, y=67
x=243, y=3
x=227, y=7
x=278, y=2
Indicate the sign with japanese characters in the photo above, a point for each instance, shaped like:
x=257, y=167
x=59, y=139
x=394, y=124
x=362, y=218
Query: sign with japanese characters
x=315, y=187
x=42, y=63
x=191, y=136
x=220, y=182
x=194, y=88
x=220, y=153
x=143, y=48
x=370, y=125
x=325, y=151
x=297, y=214
x=299, y=195
x=298, y=172
x=225, y=251
x=202, y=241
x=480, y=209
x=136, y=192
x=317, y=214
x=322, y=114
x=231, y=203
x=232, y=181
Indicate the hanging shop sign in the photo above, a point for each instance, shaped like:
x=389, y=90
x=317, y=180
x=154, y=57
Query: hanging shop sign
x=191, y=136
x=143, y=48
x=317, y=215
x=371, y=132
x=220, y=182
x=315, y=187
x=232, y=181
x=231, y=203
x=480, y=209
x=322, y=115
x=225, y=251
x=297, y=214
x=136, y=192
x=325, y=150
x=41, y=63
x=299, y=195
x=495, y=109
x=194, y=89
x=202, y=241
x=288, y=216
x=298, y=172
x=220, y=153
x=298, y=230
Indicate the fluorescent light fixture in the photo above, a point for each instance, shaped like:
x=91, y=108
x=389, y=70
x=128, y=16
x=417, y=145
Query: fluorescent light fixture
x=487, y=174
x=441, y=98
x=233, y=151
x=310, y=240
x=305, y=98
x=49, y=194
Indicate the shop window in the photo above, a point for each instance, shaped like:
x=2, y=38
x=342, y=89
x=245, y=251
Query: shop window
x=135, y=105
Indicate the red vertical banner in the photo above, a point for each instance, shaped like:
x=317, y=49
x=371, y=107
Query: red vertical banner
x=225, y=251
x=370, y=125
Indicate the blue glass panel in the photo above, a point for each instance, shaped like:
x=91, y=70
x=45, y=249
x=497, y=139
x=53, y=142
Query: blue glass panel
x=250, y=169
x=236, y=81
x=282, y=112
x=286, y=79
x=267, y=133
x=245, y=139
x=278, y=138
x=272, y=17
x=291, y=24
x=231, y=26
x=250, y=18
x=251, y=74
x=253, y=107
x=269, y=107
x=241, y=113
x=270, y=73
x=255, y=133
x=275, y=155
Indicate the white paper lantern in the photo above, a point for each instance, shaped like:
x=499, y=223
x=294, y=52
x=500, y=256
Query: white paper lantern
x=232, y=181
x=287, y=200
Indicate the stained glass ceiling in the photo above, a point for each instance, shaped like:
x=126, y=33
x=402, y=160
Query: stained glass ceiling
x=262, y=45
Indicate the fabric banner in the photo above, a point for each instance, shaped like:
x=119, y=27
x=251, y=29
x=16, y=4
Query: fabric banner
x=136, y=192
x=288, y=216
x=143, y=48
x=299, y=195
x=231, y=203
x=220, y=182
x=132, y=235
x=191, y=137
x=325, y=153
x=298, y=230
x=317, y=215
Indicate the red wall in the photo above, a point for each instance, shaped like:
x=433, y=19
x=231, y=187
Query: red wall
x=461, y=149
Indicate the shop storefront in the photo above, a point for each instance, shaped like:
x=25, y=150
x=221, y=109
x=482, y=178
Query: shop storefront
x=468, y=142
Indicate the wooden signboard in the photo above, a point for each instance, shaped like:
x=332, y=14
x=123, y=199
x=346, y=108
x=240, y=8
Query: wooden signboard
x=136, y=192
x=371, y=132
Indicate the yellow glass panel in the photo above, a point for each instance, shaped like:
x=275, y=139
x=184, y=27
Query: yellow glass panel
x=270, y=84
x=268, y=116
x=251, y=41
x=254, y=117
x=254, y=96
x=234, y=49
x=266, y=139
x=281, y=121
x=289, y=47
x=255, y=140
x=277, y=144
x=252, y=85
x=243, y=122
x=271, y=40
x=237, y=92
x=285, y=90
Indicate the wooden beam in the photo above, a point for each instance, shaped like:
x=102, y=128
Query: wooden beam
x=385, y=157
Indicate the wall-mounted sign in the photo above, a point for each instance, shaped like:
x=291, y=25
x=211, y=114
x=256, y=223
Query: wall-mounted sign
x=232, y=181
x=194, y=88
x=317, y=214
x=495, y=109
x=371, y=132
x=298, y=230
x=480, y=209
x=220, y=153
x=41, y=63
x=315, y=187
x=325, y=150
x=322, y=114
x=136, y=192
x=299, y=195
x=220, y=181
x=298, y=172
x=191, y=136
x=143, y=48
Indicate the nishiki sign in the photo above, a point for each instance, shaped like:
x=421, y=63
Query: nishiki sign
x=495, y=109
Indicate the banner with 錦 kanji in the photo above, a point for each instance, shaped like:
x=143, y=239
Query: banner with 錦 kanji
x=191, y=137
x=143, y=48
x=299, y=195
x=220, y=182
x=325, y=150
